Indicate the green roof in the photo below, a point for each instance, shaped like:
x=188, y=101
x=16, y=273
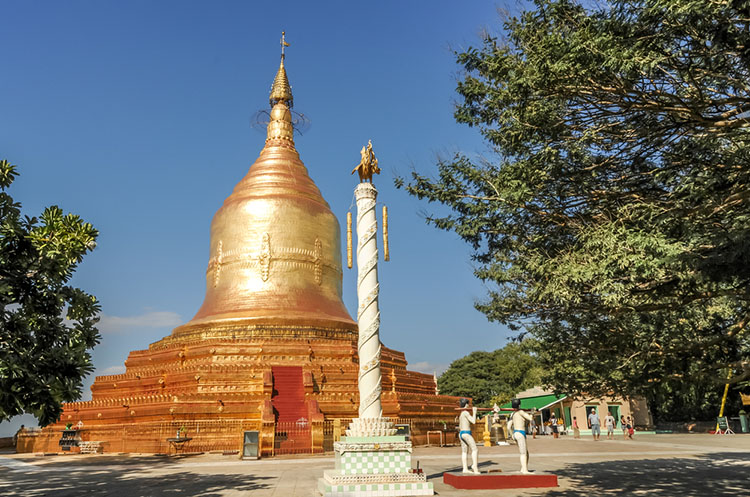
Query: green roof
x=540, y=402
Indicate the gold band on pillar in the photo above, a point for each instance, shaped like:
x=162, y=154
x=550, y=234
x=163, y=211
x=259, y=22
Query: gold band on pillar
x=386, y=252
x=349, y=240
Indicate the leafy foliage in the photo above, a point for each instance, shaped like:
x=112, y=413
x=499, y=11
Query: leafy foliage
x=492, y=377
x=46, y=326
x=615, y=217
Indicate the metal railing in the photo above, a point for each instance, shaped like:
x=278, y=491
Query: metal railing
x=334, y=429
x=293, y=437
x=206, y=435
x=226, y=435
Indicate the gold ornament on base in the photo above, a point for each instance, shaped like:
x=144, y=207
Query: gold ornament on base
x=349, y=240
x=386, y=251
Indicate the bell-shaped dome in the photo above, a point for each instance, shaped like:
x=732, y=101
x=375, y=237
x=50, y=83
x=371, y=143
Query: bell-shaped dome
x=275, y=253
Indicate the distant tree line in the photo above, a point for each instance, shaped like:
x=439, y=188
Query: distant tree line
x=492, y=377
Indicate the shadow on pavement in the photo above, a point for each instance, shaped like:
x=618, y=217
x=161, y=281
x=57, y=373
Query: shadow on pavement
x=105, y=482
x=715, y=475
x=111, y=460
x=457, y=469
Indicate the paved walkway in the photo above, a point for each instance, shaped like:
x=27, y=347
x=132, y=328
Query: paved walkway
x=651, y=465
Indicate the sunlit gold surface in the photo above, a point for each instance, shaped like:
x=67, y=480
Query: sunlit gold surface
x=368, y=164
x=275, y=252
x=281, y=91
x=349, y=240
x=386, y=249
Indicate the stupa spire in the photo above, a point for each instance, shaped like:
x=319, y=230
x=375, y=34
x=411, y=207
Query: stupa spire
x=280, y=124
x=281, y=91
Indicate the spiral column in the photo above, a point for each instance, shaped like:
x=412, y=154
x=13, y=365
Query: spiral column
x=368, y=314
x=365, y=457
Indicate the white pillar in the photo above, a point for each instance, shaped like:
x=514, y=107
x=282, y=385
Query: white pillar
x=368, y=314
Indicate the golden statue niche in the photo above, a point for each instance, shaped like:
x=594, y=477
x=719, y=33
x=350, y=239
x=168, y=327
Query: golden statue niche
x=368, y=164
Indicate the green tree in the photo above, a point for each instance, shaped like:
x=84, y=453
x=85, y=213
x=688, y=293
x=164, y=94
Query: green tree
x=47, y=327
x=489, y=377
x=614, y=220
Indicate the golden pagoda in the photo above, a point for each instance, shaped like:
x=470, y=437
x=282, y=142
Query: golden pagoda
x=272, y=349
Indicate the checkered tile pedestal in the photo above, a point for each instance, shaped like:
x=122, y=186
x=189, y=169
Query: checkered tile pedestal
x=373, y=467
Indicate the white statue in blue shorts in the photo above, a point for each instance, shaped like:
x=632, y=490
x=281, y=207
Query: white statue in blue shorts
x=517, y=426
x=465, y=420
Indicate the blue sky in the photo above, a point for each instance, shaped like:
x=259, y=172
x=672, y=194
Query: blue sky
x=136, y=116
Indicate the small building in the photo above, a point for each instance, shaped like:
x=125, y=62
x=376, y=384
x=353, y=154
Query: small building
x=566, y=407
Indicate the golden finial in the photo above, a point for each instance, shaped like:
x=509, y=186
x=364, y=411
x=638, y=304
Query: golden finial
x=283, y=44
x=281, y=91
x=368, y=164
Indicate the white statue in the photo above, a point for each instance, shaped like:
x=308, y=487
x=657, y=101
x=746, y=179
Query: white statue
x=517, y=426
x=465, y=420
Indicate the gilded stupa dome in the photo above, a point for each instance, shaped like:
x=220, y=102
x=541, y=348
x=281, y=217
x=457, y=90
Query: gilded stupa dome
x=275, y=250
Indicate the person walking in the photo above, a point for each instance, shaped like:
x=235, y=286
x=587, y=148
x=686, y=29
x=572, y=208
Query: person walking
x=15, y=437
x=609, y=423
x=576, y=430
x=631, y=428
x=594, y=424
x=624, y=426
x=553, y=424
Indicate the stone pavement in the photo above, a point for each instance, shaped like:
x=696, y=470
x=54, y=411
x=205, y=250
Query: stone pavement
x=651, y=465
